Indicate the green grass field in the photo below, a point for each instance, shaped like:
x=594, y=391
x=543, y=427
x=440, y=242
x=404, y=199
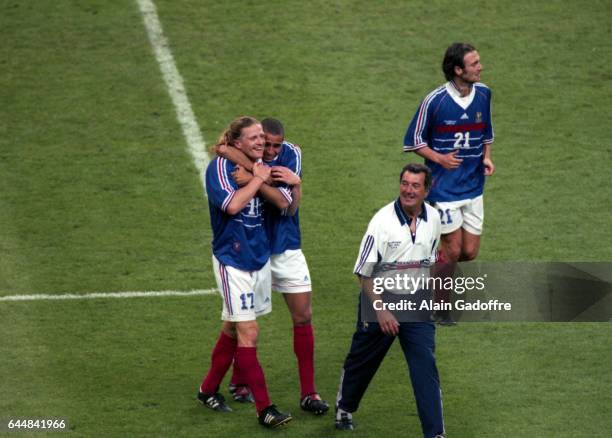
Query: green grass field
x=99, y=193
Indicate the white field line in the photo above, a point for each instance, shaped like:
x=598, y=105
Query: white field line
x=191, y=131
x=96, y=295
x=176, y=89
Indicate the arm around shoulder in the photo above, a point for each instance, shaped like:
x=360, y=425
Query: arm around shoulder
x=244, y=195
x=234, y=155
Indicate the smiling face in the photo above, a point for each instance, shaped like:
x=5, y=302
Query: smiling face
x=272, y=146
x=251, y=141
x=412, y=191
x=470, y=73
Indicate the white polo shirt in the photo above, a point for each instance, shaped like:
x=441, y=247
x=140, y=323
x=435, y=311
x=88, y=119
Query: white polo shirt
x=389, y=243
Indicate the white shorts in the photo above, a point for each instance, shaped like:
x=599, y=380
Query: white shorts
x=467, y=214
x=290, y=272
x=246, y=294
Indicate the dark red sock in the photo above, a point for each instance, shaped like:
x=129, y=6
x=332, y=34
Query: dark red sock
x=252, y=374
x=236, y=377
x=303, y=346
x=220, y=361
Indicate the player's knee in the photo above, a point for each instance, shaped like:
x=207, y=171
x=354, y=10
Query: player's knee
x=229, y=329
x=302, y=317
x=452, y=252
x=467, y=256
x=229, y=332
x=469, y=253
x=247, y=334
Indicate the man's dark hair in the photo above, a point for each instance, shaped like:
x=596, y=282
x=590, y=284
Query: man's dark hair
x=454, y=58
x=418, y=168
x=273, y=126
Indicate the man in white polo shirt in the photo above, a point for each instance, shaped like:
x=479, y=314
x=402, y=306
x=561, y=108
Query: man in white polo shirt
x=405, y=232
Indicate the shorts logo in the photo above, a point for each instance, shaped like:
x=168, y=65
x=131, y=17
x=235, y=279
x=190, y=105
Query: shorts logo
x=236, y=246
x=305, y=277
x=394, y=244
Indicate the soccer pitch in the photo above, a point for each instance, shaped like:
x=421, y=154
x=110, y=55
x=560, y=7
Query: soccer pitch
x=99, y=193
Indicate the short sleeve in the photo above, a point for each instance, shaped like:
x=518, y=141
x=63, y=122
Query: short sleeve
x=417, y=135
x=488, y=133
x=220, y=187
x=437, y=233
x=292, y=158
x=369, y=251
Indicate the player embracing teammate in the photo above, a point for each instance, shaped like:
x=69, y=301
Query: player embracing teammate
x=254, y=216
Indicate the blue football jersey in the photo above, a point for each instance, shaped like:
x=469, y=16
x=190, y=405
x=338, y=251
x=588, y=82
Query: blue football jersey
x=284, y=231
x=447, y=122
x=240, y=240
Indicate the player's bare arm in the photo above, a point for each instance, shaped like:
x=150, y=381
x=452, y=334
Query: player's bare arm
x=388, y=323
x=274, y=195
x=241, y=176
x=234, y=155
x=287, y=176
x=296, y=197
x=244, y=194
x=448, y=161
x=488, y=163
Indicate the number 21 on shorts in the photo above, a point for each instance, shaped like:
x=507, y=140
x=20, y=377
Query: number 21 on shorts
x=449, y=220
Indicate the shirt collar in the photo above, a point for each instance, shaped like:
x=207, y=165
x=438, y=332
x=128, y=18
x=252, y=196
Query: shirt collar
x=454, y=91
x=404, y=218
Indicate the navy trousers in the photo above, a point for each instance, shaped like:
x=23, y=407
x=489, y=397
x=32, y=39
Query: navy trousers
x=369, y=347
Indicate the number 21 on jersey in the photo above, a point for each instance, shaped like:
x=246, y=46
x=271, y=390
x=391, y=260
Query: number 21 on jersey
x=462, y=140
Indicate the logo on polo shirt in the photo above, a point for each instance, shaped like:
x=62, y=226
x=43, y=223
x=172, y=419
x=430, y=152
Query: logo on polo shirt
x=394, y=244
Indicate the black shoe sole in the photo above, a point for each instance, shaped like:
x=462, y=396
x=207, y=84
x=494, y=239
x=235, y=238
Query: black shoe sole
x=279, y=424
x=224, y=409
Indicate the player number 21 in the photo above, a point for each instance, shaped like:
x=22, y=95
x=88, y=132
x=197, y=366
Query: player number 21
x=244, y=297
x=448, y=216
x=462, y=140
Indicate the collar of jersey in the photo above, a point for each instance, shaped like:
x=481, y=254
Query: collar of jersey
x=463, y=101
x=404, y=218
